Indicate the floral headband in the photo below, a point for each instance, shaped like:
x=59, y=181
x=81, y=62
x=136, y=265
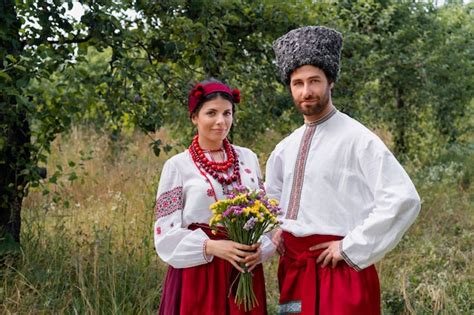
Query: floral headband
x=200, y=91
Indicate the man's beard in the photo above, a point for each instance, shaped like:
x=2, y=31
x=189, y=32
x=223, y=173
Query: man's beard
x=317, y=108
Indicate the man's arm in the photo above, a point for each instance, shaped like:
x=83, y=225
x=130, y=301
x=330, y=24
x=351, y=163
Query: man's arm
x=396, y=201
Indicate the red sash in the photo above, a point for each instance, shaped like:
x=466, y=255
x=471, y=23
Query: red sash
x=204, y=289
x=306, y=288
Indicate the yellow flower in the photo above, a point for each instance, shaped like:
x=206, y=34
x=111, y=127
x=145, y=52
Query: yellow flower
x=273, y=202
x=247, y=210
x=253, y=210
x=239, y=200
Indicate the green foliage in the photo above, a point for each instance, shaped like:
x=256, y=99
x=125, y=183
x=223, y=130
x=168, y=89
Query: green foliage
x=406, y=69
x=450, y=69
x=119, y=70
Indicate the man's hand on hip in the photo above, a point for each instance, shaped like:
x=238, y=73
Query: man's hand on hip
x=330, y=255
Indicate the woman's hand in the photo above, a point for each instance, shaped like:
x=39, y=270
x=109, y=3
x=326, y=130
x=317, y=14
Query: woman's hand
x=255, y=258
x=231, y=251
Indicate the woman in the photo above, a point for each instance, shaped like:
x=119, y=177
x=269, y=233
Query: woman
x=203, y=266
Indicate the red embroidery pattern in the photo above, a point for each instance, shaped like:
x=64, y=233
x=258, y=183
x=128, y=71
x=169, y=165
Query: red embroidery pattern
x=248, y=171
x=294, y=204
x=300, y=165
x=158, y=230
x=169, y=202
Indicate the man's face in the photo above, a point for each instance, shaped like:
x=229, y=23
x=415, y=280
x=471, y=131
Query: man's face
x=311, y=91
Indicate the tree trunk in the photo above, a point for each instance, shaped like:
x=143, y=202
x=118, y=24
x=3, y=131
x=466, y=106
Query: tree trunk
x=400, y=125
x=15, y=135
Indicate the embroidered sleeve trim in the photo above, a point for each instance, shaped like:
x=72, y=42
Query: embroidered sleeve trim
x=347, y=259
x=169, y=202
x=206, y=257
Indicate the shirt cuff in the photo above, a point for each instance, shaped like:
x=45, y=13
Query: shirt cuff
x=207, y=258
x=346, y=258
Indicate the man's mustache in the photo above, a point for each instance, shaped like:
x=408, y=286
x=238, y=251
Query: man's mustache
x=311, y=99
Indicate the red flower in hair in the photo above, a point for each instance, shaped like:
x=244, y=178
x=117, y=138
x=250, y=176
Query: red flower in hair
x=199, y=87
x=197, y=94
x=198, y=91
x=236, y=95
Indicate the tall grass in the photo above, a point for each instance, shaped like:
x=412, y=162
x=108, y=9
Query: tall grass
x=96, y=255
x=431, y=270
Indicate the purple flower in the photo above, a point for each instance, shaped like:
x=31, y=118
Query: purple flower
x=237, y=210
x=241, y=189
x=250, y=223
x=275, y=210
x=227, y=212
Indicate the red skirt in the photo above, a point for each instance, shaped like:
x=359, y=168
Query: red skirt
x=306, y=288
x=204, y=289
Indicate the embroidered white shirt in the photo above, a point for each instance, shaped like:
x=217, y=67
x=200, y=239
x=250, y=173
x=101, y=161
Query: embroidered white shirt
x=344, y=181
x=184, y=197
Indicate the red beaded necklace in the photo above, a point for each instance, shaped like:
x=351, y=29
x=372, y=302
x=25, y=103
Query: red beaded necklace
x=217, y=169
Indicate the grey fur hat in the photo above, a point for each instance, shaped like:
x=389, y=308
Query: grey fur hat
x=310, y=45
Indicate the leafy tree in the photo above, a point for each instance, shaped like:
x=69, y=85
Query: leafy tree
x=123, y=64
x=449, y=68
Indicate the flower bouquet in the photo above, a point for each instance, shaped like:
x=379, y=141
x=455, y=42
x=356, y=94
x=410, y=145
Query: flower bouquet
x=246, y=215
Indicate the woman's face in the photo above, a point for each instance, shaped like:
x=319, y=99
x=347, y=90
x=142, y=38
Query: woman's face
x=213, y=122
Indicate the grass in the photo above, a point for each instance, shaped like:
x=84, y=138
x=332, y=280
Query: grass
x=92, y=252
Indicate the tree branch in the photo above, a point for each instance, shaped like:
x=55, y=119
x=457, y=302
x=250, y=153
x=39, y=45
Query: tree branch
x=74, y=40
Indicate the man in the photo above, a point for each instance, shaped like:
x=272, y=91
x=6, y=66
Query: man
x=347, y=200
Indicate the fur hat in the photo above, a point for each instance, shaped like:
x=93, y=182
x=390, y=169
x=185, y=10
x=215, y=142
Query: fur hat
x=310, y=45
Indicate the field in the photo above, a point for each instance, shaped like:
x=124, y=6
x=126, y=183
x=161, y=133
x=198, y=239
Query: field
x=91, y=251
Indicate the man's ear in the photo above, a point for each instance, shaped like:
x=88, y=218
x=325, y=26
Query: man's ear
x=331, y=85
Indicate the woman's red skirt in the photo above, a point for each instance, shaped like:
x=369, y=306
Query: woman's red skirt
x=204, y=289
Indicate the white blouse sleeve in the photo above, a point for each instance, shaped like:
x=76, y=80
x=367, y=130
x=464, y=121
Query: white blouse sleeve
x=176, y=245
x=267, y=246
x=274, y=176
x=396, y=205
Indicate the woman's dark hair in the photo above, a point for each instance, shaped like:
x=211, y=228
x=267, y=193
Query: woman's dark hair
x=212, y=96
